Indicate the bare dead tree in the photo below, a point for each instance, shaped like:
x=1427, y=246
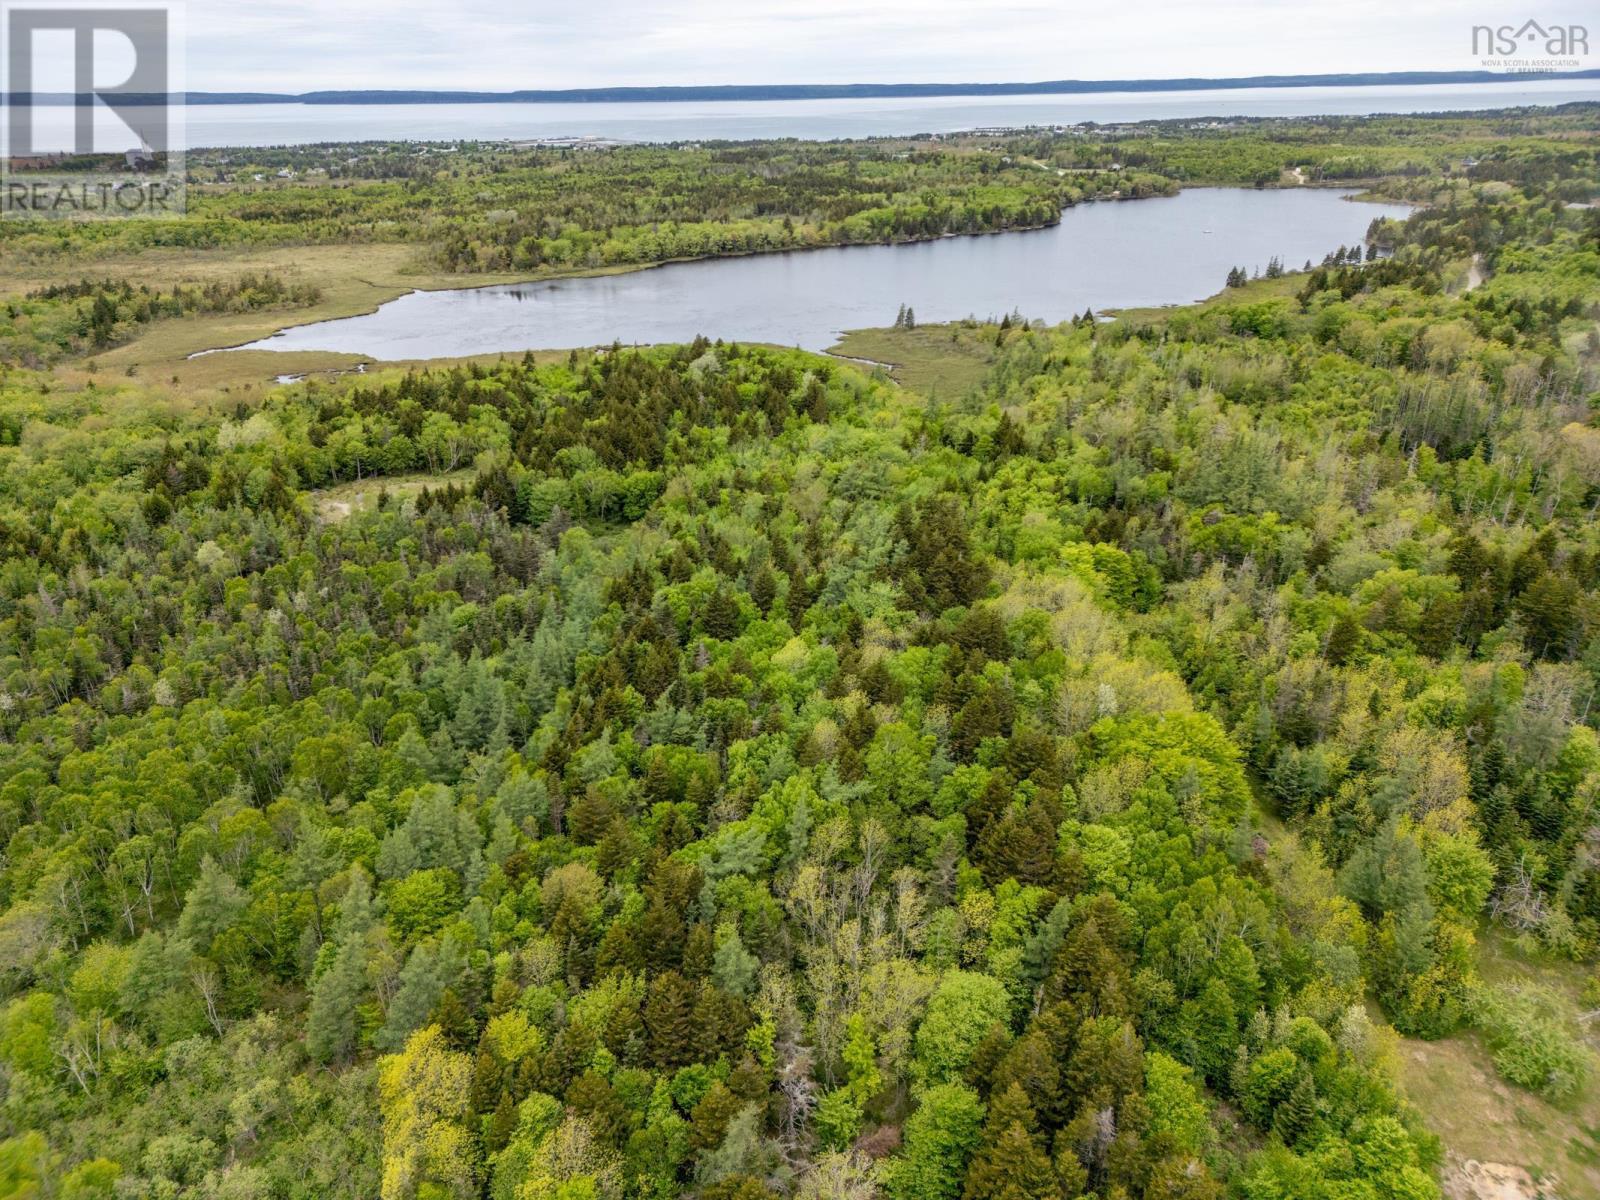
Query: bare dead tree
x=1519, y=903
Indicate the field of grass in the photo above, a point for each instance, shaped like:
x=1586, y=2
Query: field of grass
x=1480, y=1116
x=1253, y=292
x=931, y=359
x=339, y=503
x=353, y=279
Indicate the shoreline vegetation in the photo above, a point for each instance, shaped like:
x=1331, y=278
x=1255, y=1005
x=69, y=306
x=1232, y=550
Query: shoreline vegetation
x=1152, y=759
x=630, y=268
x=365, y=223
x=312, y=312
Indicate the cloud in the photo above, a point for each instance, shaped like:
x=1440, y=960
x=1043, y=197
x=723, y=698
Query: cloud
x=301, y=45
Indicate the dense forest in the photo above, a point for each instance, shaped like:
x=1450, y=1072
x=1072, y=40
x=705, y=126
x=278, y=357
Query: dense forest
x=740, y=777
x=64, y=320
x=493, y=208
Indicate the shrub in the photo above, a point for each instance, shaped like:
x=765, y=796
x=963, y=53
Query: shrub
x=1529, y=1031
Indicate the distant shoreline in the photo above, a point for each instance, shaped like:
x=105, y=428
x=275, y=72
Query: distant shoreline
x=844, y=91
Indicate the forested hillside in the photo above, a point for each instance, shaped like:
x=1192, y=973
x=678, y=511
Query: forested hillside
x=494, y=208
x=751, y=779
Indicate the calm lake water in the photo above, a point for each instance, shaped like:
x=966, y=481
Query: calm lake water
x=1170, y=250
x=283, y=124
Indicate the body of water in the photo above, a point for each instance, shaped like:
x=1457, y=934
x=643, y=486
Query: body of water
x=286, y=124
x=1109, y=254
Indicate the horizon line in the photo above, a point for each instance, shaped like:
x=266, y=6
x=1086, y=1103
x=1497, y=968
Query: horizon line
x=670, y=93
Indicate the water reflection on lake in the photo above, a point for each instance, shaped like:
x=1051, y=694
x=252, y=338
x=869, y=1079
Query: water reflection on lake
x=1171, y=250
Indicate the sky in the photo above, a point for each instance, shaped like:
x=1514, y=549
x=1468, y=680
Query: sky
x=491, y=45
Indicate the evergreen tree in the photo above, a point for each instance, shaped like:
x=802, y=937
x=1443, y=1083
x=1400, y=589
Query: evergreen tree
x=331, y=1025
x=422, y=983
x=356, y=911
x=709, y=1122
x=734, y=968
x=212, y=905
x=669, y=1019
x=1011, y=1164
x=479, y=708
x=1343, y=639
x=1296, y=1117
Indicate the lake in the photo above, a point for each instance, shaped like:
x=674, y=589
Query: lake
x=1108, y=254
x=285, y=124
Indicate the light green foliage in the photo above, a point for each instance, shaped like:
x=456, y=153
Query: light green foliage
x=838, y=1118
x=959, y=1015
x=1176, y=1108
x=211, y=907
x=940, y=1137
x=741, y=778
x=1532, y=1036
x=27, y=1029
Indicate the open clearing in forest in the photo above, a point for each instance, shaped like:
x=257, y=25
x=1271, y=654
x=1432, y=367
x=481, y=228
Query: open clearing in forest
x=339, y=503
x=1482, y=1117
x=942, y=360
x=1501, y=1142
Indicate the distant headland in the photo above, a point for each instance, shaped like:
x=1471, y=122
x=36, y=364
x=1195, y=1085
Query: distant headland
x=855, y=91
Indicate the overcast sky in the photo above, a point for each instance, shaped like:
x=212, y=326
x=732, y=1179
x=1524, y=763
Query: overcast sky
x=301, y=45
